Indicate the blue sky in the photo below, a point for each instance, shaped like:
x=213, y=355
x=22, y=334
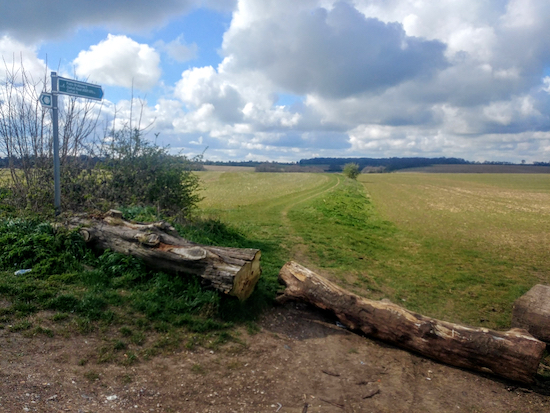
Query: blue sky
x=285, y=80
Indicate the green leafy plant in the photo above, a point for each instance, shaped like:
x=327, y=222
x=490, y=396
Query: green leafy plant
x=351, y=170
x=138, y=172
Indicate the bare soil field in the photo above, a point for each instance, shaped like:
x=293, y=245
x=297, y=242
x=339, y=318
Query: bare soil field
x=300, y=361
x=223, y=168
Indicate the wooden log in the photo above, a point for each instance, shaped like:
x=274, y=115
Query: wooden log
x=532, y=312
x=512, y=354
x=234, y=271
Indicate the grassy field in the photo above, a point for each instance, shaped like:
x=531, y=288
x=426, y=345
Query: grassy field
x=481, y=169
x=457, y=247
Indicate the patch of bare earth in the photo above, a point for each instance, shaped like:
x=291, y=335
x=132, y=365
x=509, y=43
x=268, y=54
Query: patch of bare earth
x=300, y=361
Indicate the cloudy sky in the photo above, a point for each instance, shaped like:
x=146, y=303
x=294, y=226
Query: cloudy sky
x=291, y=79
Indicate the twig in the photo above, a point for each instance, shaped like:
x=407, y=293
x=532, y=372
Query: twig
x=279, y=408
x=371, y=393
x=304, y=410
x=331, y=326
x=330, y=373
x=341, y=406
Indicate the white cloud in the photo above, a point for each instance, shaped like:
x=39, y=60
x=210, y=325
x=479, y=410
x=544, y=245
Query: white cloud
x=120, y=61
x=178, y=50
x=333, y=53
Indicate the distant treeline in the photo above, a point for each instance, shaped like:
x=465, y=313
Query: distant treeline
x=310, y=165
x=386, y=164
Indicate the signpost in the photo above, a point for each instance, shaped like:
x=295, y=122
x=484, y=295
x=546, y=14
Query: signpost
x=63, y=86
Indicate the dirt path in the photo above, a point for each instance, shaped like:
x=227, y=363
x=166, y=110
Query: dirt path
x=300, y=361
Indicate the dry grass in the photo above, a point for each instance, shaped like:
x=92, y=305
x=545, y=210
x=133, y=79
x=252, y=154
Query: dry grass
x=477, y=241
x=505, y=214
x=5, y=176
x=481, y=169
x=226, y=190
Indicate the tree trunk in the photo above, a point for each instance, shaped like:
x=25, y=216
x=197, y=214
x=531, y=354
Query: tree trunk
x=234, y=271
x=513, y=354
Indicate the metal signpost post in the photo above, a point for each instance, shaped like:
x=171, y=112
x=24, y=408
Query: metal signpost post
x=55, y=125
x=70, y=87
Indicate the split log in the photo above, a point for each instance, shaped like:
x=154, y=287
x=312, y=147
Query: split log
x=234, y=271
x=513, y=354
x=531, y=311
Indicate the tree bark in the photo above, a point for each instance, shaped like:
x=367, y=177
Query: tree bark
x=234, y=271
x=513, y=354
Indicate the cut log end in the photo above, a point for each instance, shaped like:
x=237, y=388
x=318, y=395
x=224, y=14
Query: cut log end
x=247, y=278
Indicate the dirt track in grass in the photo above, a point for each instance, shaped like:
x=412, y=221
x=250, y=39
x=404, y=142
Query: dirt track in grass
x=299, y=361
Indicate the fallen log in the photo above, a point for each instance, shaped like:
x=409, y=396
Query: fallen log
x=234, y=271
x=512, y=354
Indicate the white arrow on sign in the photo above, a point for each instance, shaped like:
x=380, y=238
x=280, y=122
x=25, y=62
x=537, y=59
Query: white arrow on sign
x=46, y=99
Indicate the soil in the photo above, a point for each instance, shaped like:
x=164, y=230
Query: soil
x=299, y=361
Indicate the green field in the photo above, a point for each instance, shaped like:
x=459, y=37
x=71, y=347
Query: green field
x=461, y=247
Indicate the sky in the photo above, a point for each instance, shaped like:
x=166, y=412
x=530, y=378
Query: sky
x=284, y=80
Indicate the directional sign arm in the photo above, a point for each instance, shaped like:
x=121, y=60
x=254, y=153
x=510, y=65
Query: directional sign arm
x=79, y=89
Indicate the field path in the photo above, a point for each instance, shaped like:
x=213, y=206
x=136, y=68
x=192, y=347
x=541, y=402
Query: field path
x=298, y=246
x=307, y=195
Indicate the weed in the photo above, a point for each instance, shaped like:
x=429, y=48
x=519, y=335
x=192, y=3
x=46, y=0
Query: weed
x=129, y=359
x=193, y=341
x=120, y=345
x=198, y=369
x=138, y=338
x=125, y=331
x=91, y=375
x=252, y=328
x=83, y=325
x=162, y=327
x=105, y=354
x=43, y=331
x=22, y=326
x=60, y=317
x=125, y=379
x=220, y=338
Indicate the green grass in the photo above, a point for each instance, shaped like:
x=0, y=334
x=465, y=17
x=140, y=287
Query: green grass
x=86, y=293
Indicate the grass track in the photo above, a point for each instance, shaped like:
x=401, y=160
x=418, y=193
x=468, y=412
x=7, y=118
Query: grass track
x=257, y=204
